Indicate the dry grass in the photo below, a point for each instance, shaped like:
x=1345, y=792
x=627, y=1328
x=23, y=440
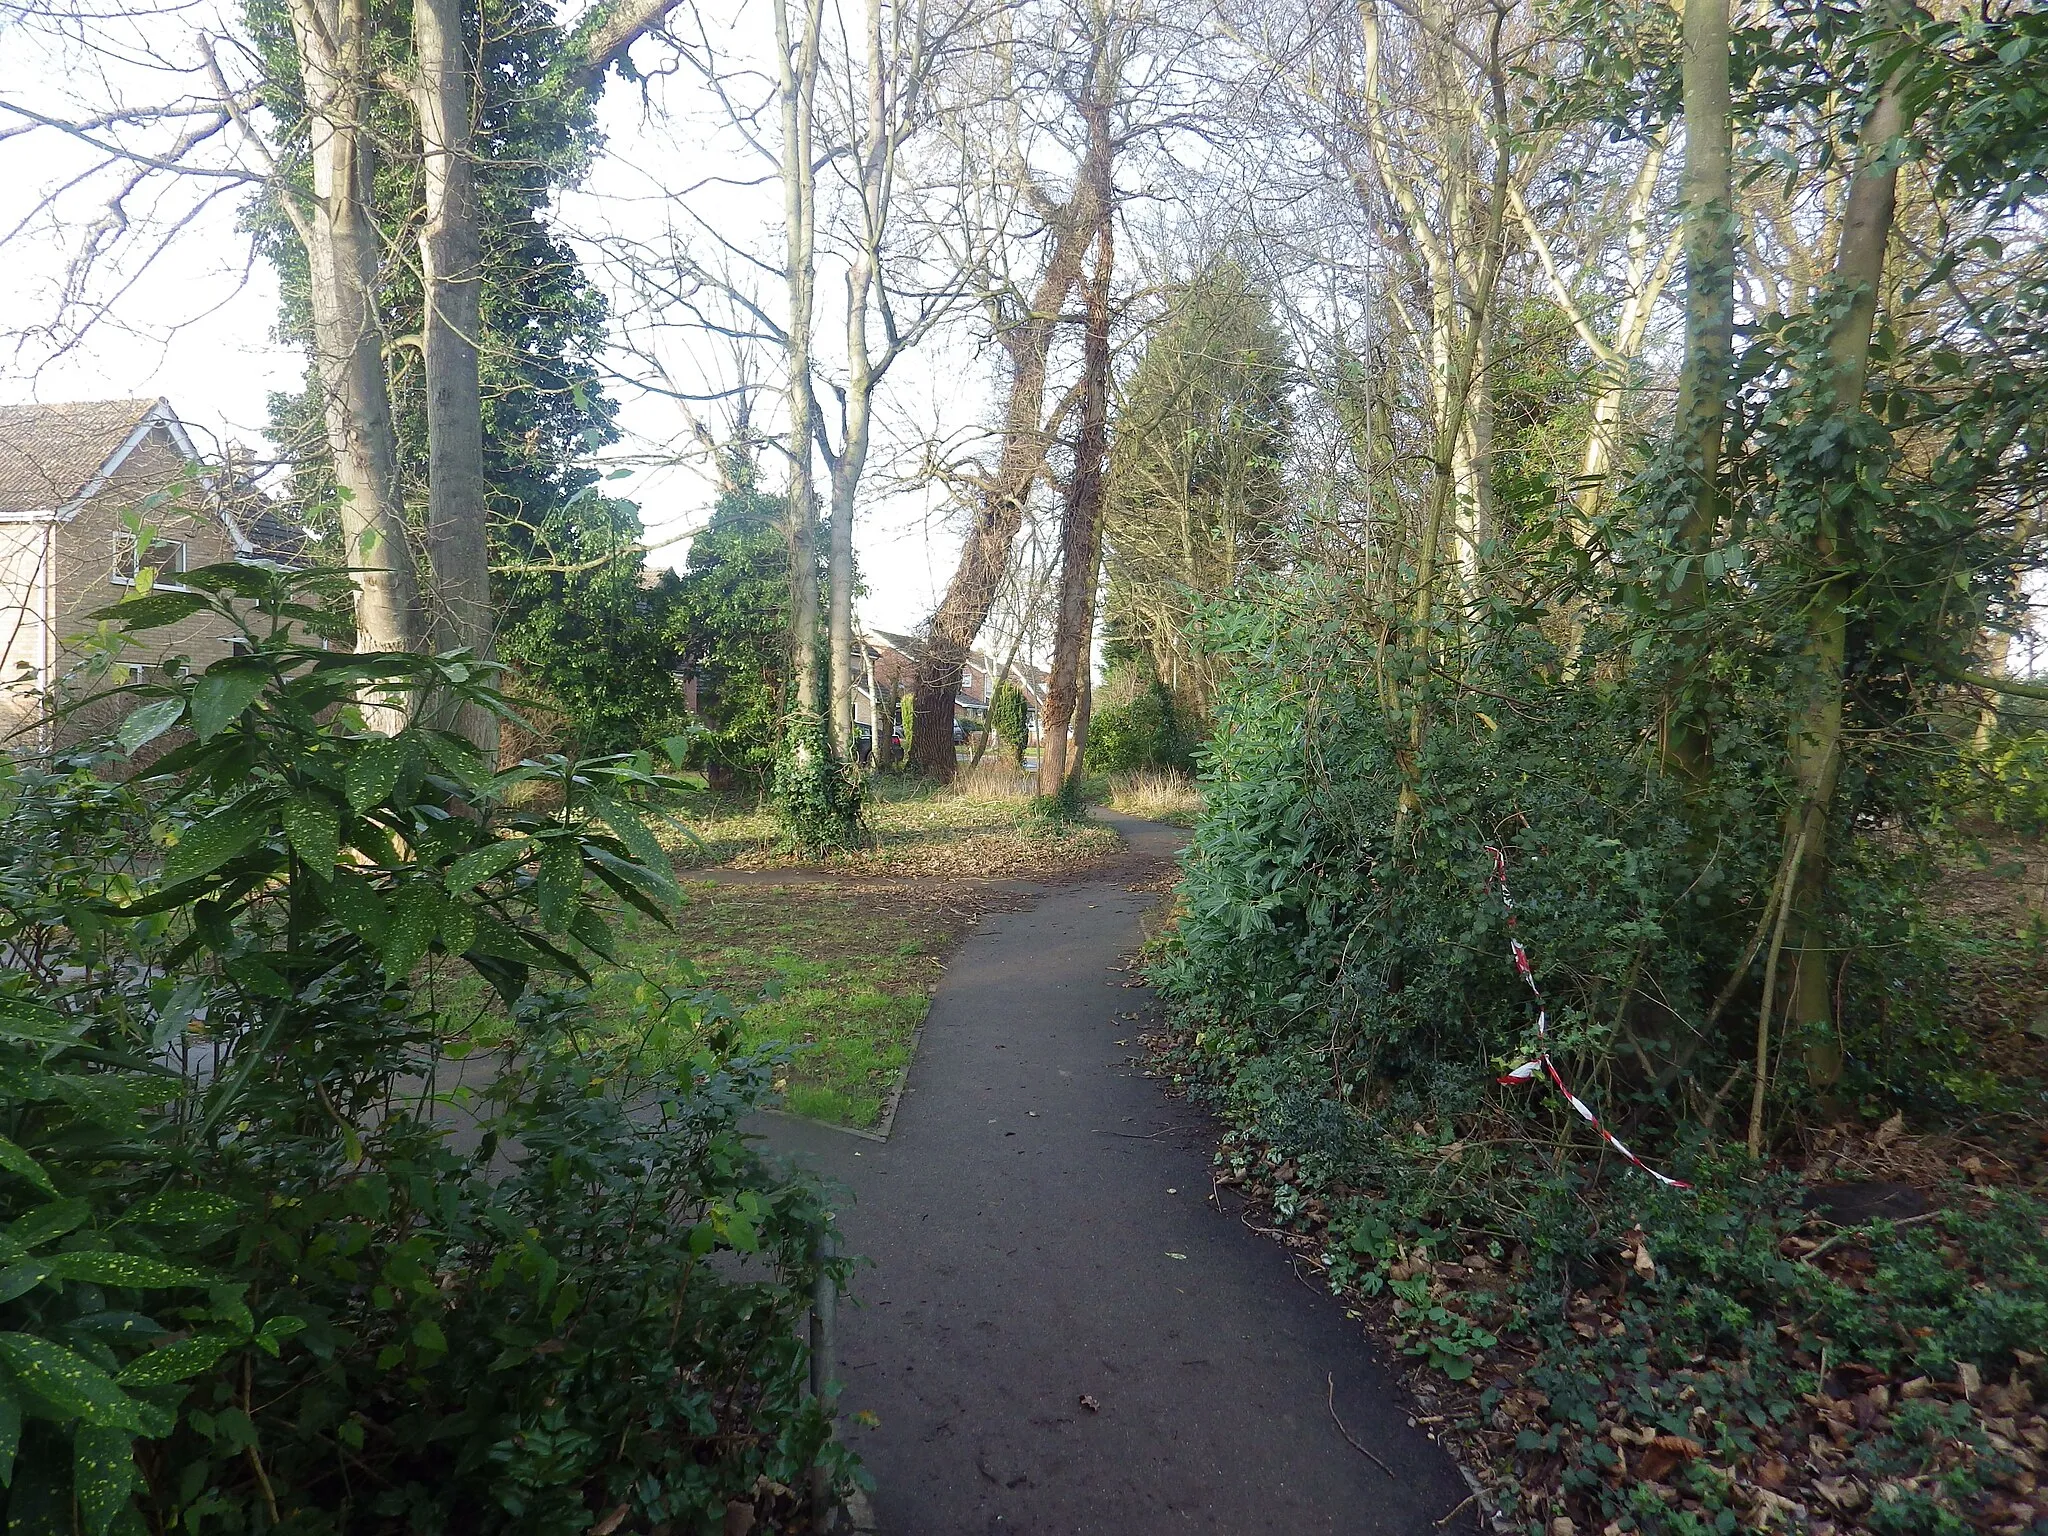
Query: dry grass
x=914, y=829
x=995, y=778
x=1158, y=794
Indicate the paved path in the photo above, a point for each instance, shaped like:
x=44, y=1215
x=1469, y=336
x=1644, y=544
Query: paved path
x=1040, y=1229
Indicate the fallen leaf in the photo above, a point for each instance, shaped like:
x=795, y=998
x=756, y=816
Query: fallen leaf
x=1889, y=1131
x=1968, y=1379
x=1772, y=1506
x=1773, y=1472
x=1645, y=1265
x=612, y=1520
x=1562, y=1526
x=1665, y=1454
x=1176, y=1256
x=1845, y=1493
x=739, y=1518
x=1088, y=1402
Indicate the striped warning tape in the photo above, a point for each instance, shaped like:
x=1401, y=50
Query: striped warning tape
x=1529, y=1070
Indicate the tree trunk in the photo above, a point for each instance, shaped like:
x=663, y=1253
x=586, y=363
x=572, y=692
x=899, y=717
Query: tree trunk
x=1084, y=702
x=1704, y=383
x=1462, y=272
x=1081, y=512
x=986, y=553
x=798, y=65
x=1816, y=736
x=340, y=236
x=852, y=458
x=450, y=261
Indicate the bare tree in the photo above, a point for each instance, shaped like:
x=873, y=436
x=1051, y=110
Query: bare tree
x=796, y=89
x=1082, y=502
x=1705, y=381
x=343, y=65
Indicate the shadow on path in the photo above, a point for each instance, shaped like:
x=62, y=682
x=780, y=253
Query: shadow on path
x=1041, y=1232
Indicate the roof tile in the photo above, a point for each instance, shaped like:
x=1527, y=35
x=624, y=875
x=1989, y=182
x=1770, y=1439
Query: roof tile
x=48, y=453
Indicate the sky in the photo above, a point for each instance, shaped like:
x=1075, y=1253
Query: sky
x=197, y=326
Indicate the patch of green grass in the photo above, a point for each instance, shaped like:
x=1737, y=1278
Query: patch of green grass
x=841, y=978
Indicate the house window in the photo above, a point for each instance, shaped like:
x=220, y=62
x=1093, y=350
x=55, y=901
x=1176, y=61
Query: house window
x=164, y=557
x=138, y=672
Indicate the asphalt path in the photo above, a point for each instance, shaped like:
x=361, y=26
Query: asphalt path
x=1061, y=1327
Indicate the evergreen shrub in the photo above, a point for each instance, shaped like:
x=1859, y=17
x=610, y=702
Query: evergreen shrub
x=1147, y=732
x=254, y=1273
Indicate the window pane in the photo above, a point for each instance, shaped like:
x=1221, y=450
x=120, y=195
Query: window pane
x=165, y=557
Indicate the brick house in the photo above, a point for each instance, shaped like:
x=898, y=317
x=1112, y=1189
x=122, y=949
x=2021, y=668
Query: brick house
x=889, y=668
x=76, y=482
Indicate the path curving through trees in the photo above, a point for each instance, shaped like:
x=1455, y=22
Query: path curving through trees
x=1059, y=1330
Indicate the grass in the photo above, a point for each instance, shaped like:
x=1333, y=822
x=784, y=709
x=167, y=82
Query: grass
x=839, y=977
x=979, y=829
x=842, y=978
x=1158, y=794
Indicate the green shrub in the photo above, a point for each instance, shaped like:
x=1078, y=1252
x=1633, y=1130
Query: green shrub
x=2007, y=783
x=1344, y=997
x=1147, y=732
x=1009, y=717
x=1305, y=923
x=251, y=1275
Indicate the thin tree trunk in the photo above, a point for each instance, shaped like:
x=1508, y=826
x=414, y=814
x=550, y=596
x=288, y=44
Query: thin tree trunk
x=882, y=729
x=986, y=554
x=1452, y=479
x=1081, y=512
x=851, y=460
x=450, y=264
x=1816, y=736
x=1084, y=703
x=798, y=67
x=1703, y=385
x=340, y=235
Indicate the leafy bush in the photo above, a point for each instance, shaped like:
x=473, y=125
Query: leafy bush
x=257, y=1272
x=1009, y=718
x=1145, y=733
x=1341, y=975
x=730, y=627
x=1304, y=922
x=2007, y=783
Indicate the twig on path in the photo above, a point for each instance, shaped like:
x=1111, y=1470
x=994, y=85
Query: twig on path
x=1213, y=1194
x=1244, y=1216
x=1133, y=1136
x=1447, y=1519
x=1294, y=1263
x=1331, y=1400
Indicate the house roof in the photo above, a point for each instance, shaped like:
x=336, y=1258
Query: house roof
x=896, y=662
x=53, y=457
x=51, y=454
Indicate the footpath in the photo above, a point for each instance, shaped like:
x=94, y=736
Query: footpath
x=1061, y=1327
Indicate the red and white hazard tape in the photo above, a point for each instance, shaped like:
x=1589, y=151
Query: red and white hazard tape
x=1528, y=1071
